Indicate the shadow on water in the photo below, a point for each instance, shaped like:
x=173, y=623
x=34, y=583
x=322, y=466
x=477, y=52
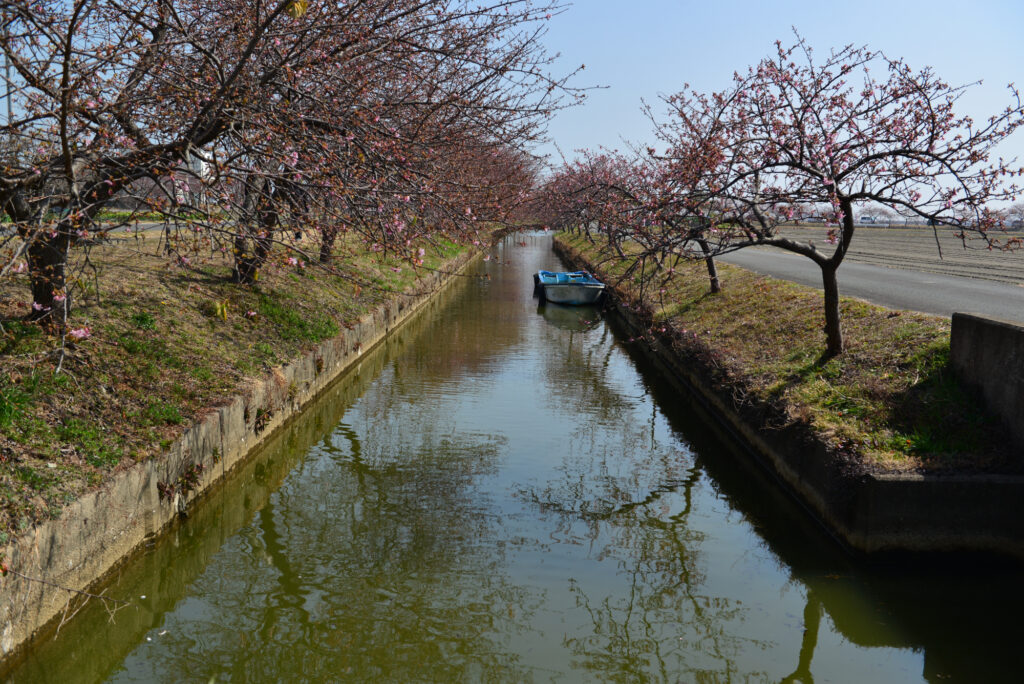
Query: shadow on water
x=962, y=611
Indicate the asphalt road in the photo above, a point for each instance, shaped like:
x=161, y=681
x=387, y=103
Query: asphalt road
x=896, y=288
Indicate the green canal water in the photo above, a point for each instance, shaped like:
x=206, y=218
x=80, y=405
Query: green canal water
x=509, y=492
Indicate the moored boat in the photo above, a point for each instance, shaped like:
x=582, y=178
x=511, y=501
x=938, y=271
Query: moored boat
x=575, y=287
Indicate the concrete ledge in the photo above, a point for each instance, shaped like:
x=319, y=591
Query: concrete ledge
x=94, y=534
x=866, y=512
x=988, y=356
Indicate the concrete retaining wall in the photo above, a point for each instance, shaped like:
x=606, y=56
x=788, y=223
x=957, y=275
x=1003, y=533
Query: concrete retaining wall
x=988, y=356
x=867, y=512
x=99, y=530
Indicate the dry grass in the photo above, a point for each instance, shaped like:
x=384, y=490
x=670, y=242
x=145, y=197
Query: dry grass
x=890, y=399
x=167, y=344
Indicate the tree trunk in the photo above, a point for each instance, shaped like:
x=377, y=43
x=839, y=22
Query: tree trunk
x=829, y=269
x=833, y=328
x=47, y=257
x=327, y=238
x=247, y=266
x=716, y=285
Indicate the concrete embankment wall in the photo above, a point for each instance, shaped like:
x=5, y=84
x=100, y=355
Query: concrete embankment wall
x=867, y=512
x=988, y=356
x=95, y=533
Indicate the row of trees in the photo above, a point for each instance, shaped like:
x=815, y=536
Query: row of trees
x=856, y=131
x=401, y=120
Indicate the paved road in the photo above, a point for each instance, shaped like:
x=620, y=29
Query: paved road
x=894, y=288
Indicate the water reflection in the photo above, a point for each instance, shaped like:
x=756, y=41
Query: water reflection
x=494, y=495
x=812, y=623
x=576, y=318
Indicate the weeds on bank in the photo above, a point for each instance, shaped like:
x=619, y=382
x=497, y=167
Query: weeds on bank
x=167, y=344
x=890, y=398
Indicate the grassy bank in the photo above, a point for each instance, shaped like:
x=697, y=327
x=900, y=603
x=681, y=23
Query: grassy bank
x=166, y=344
x=890, y=401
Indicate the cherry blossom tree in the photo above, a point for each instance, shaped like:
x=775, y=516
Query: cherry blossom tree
x=367, y=115
x=856, y=129
x=636, y=198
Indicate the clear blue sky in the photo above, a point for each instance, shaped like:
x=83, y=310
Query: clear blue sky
x=644, y=48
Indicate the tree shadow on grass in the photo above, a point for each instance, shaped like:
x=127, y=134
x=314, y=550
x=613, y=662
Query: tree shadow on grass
x=947, y=426
x=689, y=305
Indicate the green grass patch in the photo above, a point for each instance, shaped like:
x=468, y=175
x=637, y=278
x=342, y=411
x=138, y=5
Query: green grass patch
x=144, y=320
x=162, y=413
x=20, y=338
x=89, y=440
x=291, y=324
x=12, y=404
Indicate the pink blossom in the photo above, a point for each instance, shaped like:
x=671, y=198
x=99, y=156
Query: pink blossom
x=80, y=333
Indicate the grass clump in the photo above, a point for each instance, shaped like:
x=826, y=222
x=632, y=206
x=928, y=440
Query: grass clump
x=291, y=324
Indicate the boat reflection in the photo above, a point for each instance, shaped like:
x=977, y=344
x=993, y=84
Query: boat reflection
x=575, y=318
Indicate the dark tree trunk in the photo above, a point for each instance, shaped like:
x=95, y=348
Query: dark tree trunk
x=327, y=238
x=833, y=327
x=47, y=260
x=248, y=265
x=830, y=282
x=716, y=285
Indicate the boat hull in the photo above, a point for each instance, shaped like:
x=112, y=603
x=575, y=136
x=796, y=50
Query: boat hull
x=575, y=295
x=577, y=288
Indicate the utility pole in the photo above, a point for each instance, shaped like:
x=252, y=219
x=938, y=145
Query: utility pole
x=7, y=83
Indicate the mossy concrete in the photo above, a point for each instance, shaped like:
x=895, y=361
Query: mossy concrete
x=95, y=533
x=867, y=511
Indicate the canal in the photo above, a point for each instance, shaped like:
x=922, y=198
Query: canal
x=504, y=491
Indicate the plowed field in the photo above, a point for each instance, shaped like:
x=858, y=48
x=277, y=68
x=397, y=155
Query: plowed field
x=918, y=250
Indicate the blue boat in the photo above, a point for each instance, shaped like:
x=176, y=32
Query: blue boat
x=576, y=287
